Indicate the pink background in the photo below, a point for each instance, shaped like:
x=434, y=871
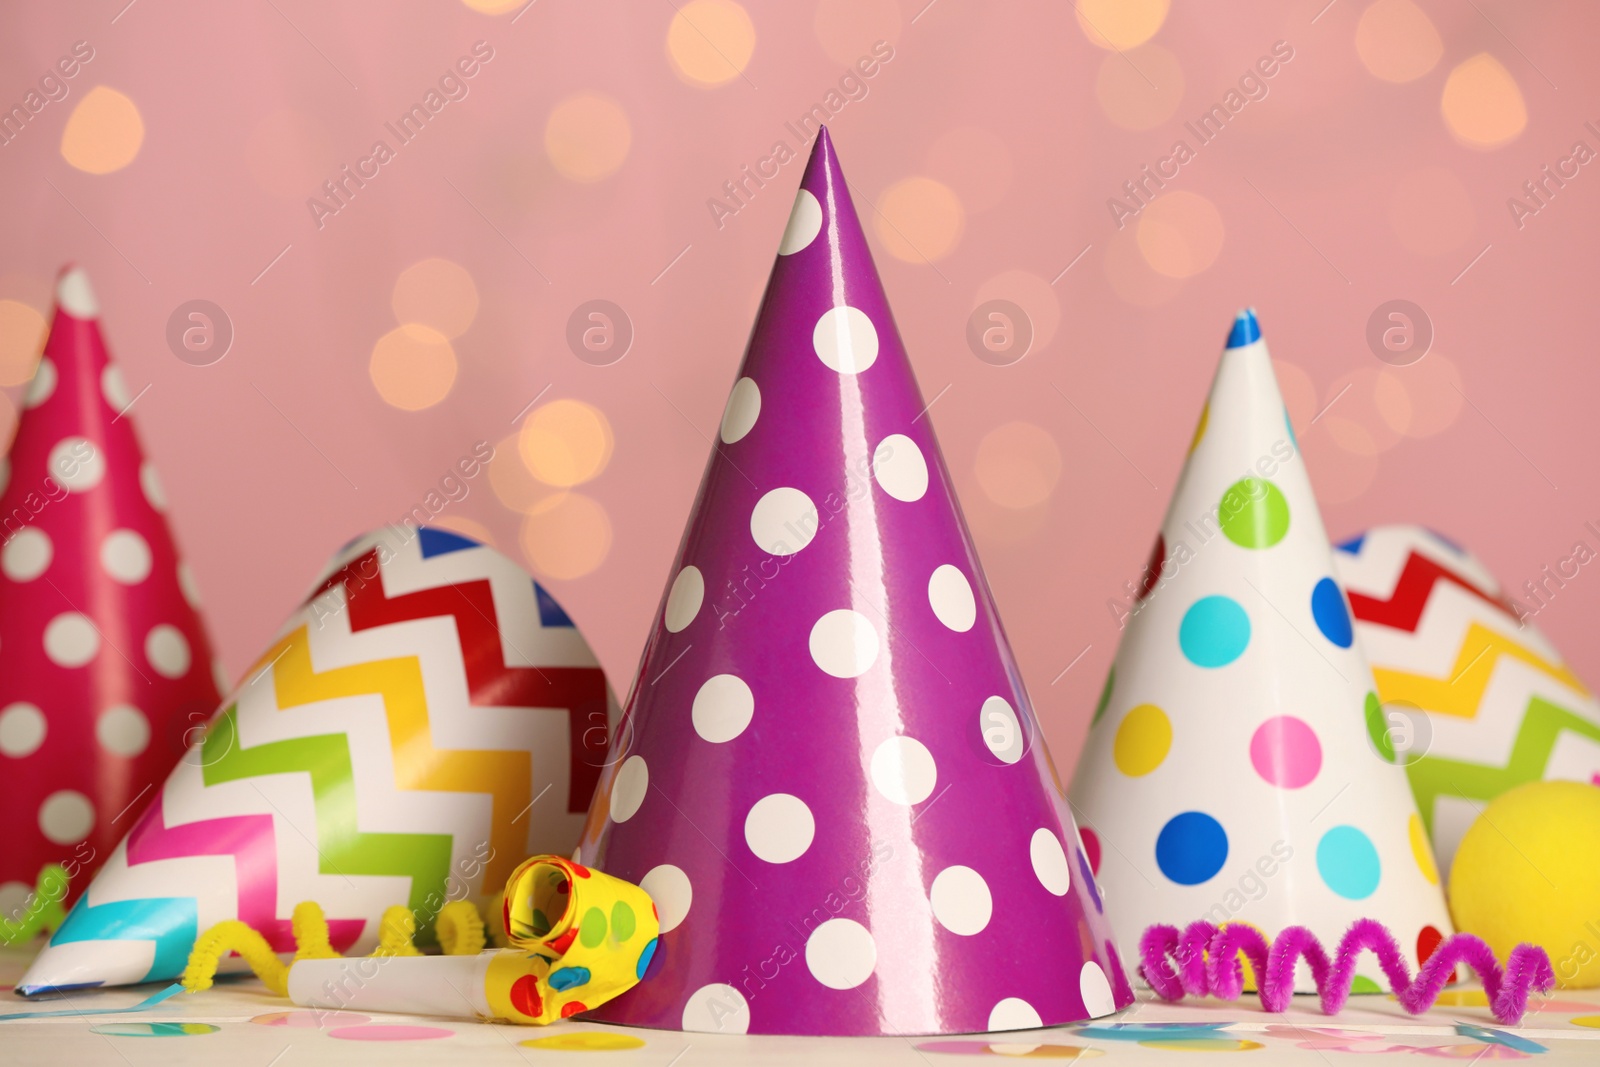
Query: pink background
x=1337, y=192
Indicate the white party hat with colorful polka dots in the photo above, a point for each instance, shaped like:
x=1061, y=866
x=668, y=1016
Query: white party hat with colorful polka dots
x=1236, y=769
x=829, y=776
x=104, y=663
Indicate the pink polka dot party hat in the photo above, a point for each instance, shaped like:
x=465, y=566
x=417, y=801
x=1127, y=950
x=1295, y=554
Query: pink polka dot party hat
x=1237, y=768
x=104, y=663
x=829, y=776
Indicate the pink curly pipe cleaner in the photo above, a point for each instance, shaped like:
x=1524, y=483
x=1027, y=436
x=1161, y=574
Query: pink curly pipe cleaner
x=1204, y=960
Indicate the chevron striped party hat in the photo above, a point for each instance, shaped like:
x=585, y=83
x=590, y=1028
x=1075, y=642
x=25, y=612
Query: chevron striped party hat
x=104, y=662
x=1229, y=774
x=830, y=778
x=1475, y=699
x=427, y=720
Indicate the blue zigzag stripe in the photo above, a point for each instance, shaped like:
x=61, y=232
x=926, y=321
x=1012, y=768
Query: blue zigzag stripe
x=171, y=922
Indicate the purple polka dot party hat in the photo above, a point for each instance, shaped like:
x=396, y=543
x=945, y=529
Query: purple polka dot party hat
x=829, y=776
x=1239, y=767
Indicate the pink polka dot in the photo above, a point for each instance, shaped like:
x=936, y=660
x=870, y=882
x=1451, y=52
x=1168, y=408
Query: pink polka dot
x=389, y=1033
x=1285, y=752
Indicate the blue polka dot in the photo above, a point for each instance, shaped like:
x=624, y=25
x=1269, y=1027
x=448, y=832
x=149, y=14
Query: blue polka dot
x=644, y=958
x=1348, y=863
x=1214, y=632
x=1333, y=618
x=1191, y=848
x=567, y=977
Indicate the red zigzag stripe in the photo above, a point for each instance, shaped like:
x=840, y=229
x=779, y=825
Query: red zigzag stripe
x=490, y=682
x=1403, y=609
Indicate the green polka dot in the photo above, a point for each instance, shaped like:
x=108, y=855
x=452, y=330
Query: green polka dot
x=1378, y=728
x=1105, y=696
x=1253, y=513
x=541, y=924
x=592, y=930
x=1362, y=984
x=622, y=921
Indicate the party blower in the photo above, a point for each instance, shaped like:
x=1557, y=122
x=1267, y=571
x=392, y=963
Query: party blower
x=579, y=938
x=830, y=778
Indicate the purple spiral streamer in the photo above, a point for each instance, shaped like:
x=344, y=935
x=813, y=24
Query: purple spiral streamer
x=1205, y=960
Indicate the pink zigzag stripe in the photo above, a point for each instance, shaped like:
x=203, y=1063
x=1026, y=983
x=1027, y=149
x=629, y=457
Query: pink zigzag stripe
x=249, y=840
x=1207, y=962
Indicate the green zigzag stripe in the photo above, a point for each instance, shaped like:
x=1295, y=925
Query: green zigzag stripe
x=1542, y=725
x=341, y=846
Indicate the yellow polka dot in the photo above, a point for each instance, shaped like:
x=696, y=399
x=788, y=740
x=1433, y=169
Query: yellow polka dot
x=1143, y=740
x=565, y=443
x=710, y=41
x=1422, y=850
x=1139, y=89
x=104, y=132
x=919, y=220
x=22, y=334
x=566, y=535
x=587, y=137
x=1120, y=24
x=1200, y=427
x=1130, y=274
x=1397, y=41
x=585, y=1041
x=1460, y=998
x=494, y=7
x=1481, y=104
x=1205, y=1044
x=436, y=293
x=413, y=367
x=1587, y=1020
x=1180, y=234
x=1018, y=465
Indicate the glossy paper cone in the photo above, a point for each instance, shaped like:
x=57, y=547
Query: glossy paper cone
x=104, y=663
x=830, y=778
x=1476, y=699
x=428, y=719
x=1232, y=773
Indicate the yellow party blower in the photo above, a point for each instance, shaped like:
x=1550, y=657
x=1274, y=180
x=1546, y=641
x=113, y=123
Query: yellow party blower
x=577, y=939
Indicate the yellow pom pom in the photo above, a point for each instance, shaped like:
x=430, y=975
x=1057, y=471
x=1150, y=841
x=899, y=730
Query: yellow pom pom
x=1529, y=870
